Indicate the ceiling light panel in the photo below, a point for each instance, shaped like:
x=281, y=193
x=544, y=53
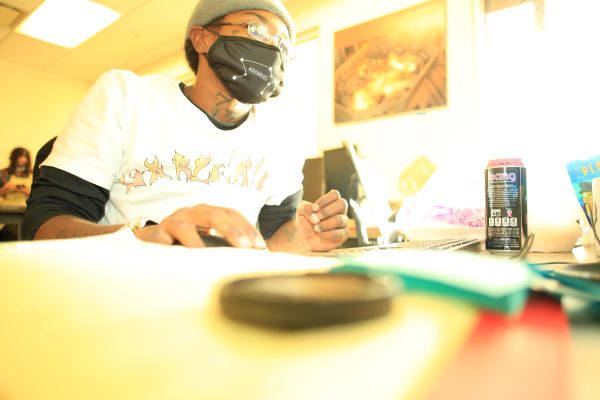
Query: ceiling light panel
x=67, y=23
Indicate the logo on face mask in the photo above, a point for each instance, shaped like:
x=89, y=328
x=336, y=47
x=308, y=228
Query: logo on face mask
x=258, y=73
x=250, y=70
x=269, y=79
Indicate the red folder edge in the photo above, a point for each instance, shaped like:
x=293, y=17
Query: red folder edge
x=523, y=357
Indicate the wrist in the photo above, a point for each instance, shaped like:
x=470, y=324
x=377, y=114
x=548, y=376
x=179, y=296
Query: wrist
x=289, y=237
x=136, y=224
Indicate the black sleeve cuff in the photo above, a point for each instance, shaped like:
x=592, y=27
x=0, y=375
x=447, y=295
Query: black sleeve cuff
x=271, y=218
x=57, y=192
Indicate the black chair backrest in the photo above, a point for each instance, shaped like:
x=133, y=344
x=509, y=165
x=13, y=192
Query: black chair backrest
x=41, y=155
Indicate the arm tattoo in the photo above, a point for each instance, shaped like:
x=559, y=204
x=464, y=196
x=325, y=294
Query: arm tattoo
x=289, y=233
x=61, y=234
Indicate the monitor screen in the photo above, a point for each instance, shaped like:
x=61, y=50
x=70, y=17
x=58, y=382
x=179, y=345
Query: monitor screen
x=371, y=183
x=340, y=173
x=314, y=180
x=357, y=179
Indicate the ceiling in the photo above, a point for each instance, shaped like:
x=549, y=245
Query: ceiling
x=147, y=32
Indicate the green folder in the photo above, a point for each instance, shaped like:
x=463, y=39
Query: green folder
x=487, y=281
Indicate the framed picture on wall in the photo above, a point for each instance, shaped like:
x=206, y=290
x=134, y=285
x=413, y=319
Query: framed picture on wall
x=393, y=64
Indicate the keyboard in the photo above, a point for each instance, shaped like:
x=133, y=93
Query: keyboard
x=437, y=244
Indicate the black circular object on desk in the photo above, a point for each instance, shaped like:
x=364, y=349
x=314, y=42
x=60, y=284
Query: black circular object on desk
x=305, y=301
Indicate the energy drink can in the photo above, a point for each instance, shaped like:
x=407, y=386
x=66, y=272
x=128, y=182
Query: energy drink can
x=505, y=206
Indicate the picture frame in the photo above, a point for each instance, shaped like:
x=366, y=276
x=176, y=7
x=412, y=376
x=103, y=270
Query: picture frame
x=391, y=65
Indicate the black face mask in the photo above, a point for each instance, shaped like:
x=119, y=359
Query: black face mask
x=252, y=71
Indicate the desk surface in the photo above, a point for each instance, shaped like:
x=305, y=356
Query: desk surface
x=112, y=317
x=12, y=207
x=584, y=329
x=562, y=348
x=120, y=319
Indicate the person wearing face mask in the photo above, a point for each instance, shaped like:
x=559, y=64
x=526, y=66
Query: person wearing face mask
x=173, y=161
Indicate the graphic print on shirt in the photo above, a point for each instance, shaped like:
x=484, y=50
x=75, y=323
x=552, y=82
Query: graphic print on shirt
x=156, y=170
x=200, y=163
x=182, y=165
x=135, y=179
x=238, y=170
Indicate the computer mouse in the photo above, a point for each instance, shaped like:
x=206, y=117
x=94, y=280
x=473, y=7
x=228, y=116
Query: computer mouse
x=214, y=241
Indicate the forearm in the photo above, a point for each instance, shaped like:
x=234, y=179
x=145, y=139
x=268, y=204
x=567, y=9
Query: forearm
x=69, y=226
x=288, y=238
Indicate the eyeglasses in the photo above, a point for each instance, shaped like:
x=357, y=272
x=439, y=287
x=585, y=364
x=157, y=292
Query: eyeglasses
x=262, y=33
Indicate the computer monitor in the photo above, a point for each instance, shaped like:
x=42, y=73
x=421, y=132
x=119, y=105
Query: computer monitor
x=374, y=201
x=358, y=182
x=340, y=173
x=313, y=183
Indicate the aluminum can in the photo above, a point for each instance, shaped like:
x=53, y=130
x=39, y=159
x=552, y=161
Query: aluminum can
x=505, y=206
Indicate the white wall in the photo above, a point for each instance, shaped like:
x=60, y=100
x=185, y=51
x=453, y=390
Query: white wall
x=34, y=106
x=394, y=142
x=539, y=98
x=173, y=65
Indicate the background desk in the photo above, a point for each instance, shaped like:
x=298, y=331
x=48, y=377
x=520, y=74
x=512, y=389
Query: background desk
x=11, y=214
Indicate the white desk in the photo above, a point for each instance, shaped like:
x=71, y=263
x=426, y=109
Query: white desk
x=114, y=318
x=585, y=329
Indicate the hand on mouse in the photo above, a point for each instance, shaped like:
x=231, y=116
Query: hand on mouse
x=184, y=225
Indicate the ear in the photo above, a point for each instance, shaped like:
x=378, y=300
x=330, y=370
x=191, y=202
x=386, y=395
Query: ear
x=201, y=39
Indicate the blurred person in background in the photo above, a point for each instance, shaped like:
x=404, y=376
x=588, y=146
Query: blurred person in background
x=15, y=180
x=15, y=186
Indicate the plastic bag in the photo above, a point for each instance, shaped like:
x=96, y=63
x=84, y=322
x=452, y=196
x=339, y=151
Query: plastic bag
x=450, y=205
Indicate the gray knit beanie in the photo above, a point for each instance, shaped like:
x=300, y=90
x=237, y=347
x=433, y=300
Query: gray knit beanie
x=209, y=10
